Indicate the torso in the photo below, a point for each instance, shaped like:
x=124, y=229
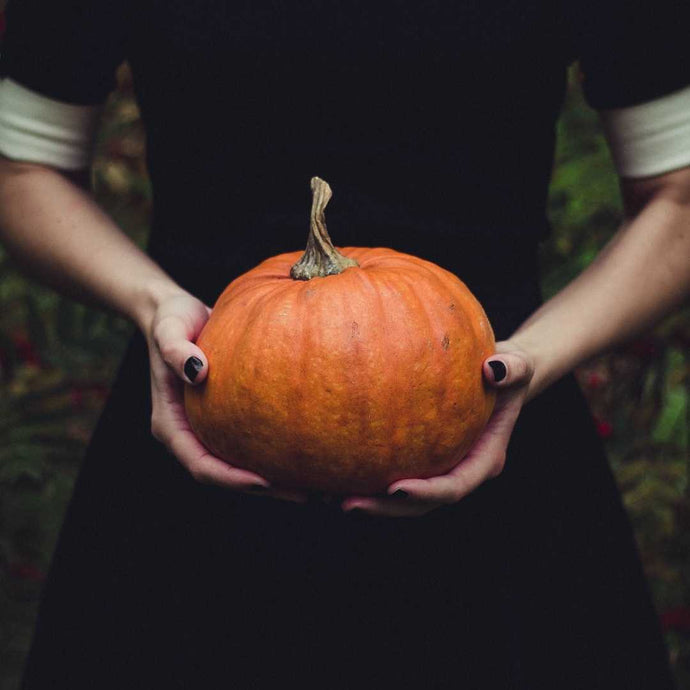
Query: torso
x=443, y=112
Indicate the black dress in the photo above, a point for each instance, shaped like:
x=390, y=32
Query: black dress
x=434, y=124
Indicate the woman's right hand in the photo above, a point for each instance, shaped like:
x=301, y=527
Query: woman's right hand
x=175, y=359
x=59, y=235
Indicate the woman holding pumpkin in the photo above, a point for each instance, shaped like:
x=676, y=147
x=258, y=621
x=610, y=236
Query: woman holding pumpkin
x=517, y=569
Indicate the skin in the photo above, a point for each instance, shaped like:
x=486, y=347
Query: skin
x=54, y=229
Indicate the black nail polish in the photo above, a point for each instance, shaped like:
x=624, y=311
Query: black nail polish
x=400, y=493
x=192, y=367
x=499, y=370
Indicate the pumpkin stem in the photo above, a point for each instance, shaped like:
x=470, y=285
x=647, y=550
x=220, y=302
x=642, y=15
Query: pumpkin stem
x=320, y=258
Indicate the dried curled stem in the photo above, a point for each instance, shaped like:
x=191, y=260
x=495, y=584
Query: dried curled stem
x=320, y=258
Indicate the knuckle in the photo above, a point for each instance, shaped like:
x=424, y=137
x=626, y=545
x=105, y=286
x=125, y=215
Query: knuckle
x=158, y=334
x=199, y=474
x=522, y=375
x=456, y=491
x=167, y=351
x=499, y=464
x=157, y=428
x=454, y=496
x=501, y=460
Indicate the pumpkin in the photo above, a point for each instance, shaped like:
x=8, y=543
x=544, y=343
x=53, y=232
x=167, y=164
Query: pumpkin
x=343, y=370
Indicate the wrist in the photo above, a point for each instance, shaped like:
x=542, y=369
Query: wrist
x=546, y=366
x=147, y=300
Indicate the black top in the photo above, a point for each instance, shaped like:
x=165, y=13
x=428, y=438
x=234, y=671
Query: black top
x=436, y=115
x=434, y=124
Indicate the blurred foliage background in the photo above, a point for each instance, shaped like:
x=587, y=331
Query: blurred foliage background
x=57, y=359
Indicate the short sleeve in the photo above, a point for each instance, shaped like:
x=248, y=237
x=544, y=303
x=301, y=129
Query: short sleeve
x=58, y=62
x=635, y=62
x=67, y=50
x=631, y=51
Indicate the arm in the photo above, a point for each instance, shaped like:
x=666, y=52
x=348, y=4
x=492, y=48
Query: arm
x=57, y=232
x=59, y=235
x=639, y=277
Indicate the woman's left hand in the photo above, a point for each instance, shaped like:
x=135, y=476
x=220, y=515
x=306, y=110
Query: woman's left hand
x=509, y=371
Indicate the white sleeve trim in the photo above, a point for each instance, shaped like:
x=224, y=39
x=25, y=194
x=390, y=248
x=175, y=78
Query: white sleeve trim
x=650, y=138
x=38, y=129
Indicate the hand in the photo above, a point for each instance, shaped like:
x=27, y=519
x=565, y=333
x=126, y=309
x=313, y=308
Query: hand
x=175, y=358
x=485, y=459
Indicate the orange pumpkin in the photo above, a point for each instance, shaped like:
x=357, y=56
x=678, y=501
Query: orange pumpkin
x=343, y=371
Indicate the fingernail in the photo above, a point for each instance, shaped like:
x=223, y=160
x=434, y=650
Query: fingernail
x=400, y=493
x=499, y=369
x=192, y=367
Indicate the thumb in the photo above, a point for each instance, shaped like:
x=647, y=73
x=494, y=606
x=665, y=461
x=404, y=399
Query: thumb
x=507, y=369
x=186, y=359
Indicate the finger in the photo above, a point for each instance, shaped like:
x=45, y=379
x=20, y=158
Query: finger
x=169, y=424
x=387, y=507
x=485, y=460
x=186, y=359
x=208, y=469
x=449, y=488
x=506, y=370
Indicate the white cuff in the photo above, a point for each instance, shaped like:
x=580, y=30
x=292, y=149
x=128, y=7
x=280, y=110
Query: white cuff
x=38, y=129
x=650, y=138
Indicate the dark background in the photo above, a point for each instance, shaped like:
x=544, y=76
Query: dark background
x=57, y=359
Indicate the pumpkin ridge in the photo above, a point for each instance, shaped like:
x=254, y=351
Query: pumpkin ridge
x=356, y=346
x=369, y=293
x=415, y=308
x=432, y=328
x=393, y=416
x=296, y=397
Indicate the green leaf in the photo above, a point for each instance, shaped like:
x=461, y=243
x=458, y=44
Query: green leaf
x=670, y=426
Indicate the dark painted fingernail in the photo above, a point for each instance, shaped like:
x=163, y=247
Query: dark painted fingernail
x=192, y=367
x=400, y=493
x=499, y=370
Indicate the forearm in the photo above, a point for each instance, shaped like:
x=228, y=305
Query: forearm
x=60, y=236
x=637, y=279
